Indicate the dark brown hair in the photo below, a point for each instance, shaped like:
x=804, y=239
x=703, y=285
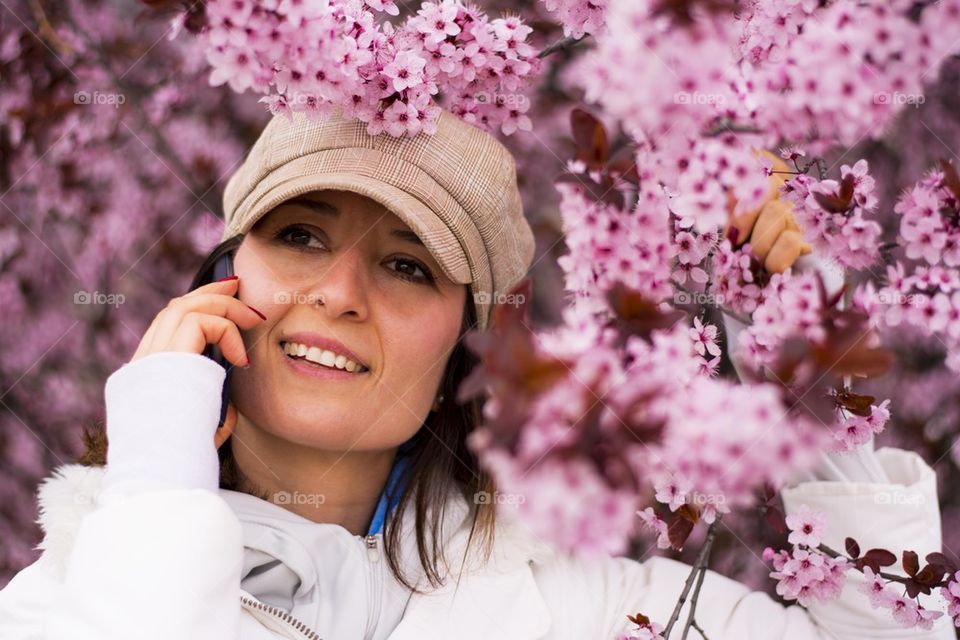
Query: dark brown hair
x=439, y=461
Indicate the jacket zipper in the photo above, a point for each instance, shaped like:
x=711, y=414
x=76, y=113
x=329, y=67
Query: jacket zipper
x=294, y=625
x=374, y=587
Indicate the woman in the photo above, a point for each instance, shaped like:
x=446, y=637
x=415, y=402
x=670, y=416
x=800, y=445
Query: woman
x=339, y=499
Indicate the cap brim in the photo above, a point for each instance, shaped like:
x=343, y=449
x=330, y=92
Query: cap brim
x=439, y=240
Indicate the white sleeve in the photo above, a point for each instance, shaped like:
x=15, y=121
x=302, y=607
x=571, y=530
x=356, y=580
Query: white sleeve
x=162, y=413
x=160, y=554
x=901, y=515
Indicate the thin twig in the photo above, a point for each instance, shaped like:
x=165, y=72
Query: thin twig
x=883, y=574
x=563, y=43
x=701, y=563
x=726, y=125
x=691, y=622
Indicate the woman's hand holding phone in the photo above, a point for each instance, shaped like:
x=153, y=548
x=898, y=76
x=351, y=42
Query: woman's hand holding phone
x=209, y=314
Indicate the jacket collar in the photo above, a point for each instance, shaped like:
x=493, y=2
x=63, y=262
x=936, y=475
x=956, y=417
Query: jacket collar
x=477, y=600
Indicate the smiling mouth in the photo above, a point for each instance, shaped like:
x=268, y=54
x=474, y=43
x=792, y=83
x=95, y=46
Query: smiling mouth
x=321, y=358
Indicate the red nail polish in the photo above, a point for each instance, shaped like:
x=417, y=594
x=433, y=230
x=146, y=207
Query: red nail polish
x=247, y=366
x=257, y=312
x=228, y=278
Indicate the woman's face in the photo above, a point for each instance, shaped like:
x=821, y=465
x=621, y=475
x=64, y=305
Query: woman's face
x=385, y=299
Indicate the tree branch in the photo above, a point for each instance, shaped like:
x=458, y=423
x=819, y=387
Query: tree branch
x=698, y=566
x=564, y=43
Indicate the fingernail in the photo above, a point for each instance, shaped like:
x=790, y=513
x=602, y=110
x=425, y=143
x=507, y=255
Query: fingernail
x=228, y=278
x=247, y=366
x=257, y=312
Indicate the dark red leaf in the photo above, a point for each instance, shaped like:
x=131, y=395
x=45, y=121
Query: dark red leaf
x=853, y=549
x=942, y=562
x=775, y=519
x=593, y=147
x=840, y=202
x=950, y=177
x=681, y=526
x=876, y=558
x=911, y=564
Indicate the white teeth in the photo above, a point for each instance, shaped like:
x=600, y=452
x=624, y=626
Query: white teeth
x=321, y=356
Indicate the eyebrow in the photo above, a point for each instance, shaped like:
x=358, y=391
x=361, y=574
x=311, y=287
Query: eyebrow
x=327, y=209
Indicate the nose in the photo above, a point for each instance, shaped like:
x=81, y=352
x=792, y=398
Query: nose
x=341, y=286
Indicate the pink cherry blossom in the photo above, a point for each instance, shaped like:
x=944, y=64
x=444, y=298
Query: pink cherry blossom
x=806, y=527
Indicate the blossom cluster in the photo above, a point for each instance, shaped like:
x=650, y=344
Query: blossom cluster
x=930, y=219
x=906, y=611
x=315, y=56
x=644, y=414
x=925, y=302
x=832, y=213
x=578, y=17
x=607, y=245
x=804, y=573
x=807, y=573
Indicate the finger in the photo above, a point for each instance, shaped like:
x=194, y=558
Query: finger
x=215, y=304
x=229, y=422
x=743, y=223
x=144, y=347
x=785, y=251
x=228, y=287
x=771, y=223
x=200, y=329
x=792, y=222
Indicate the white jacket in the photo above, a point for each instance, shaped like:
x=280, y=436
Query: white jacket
x=152, y=549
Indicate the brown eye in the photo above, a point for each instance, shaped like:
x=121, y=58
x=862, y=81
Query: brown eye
x=408, y=268
x=298, y=235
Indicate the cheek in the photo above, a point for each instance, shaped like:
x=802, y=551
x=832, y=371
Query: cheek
x=417, y=348
x=259, y=286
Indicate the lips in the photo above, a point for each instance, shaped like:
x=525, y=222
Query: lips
x=321, y=357
x=319, y=350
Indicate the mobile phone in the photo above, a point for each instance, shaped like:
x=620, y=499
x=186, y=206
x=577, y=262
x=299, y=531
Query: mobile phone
x=222, y=268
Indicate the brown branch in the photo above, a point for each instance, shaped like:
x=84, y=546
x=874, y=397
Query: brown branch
x=47, y=32
x=726, y=125
x=699, y=565
x=883, y=574
x=691, y=622
x=564, y=43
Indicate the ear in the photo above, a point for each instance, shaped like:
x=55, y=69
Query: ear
x=229, y=422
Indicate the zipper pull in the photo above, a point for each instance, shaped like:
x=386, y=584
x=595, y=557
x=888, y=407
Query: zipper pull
x=372, y=548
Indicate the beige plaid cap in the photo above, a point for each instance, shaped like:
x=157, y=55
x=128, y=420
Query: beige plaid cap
x=456, y=189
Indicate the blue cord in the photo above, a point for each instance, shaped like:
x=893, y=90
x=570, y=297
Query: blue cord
x=393, y=480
